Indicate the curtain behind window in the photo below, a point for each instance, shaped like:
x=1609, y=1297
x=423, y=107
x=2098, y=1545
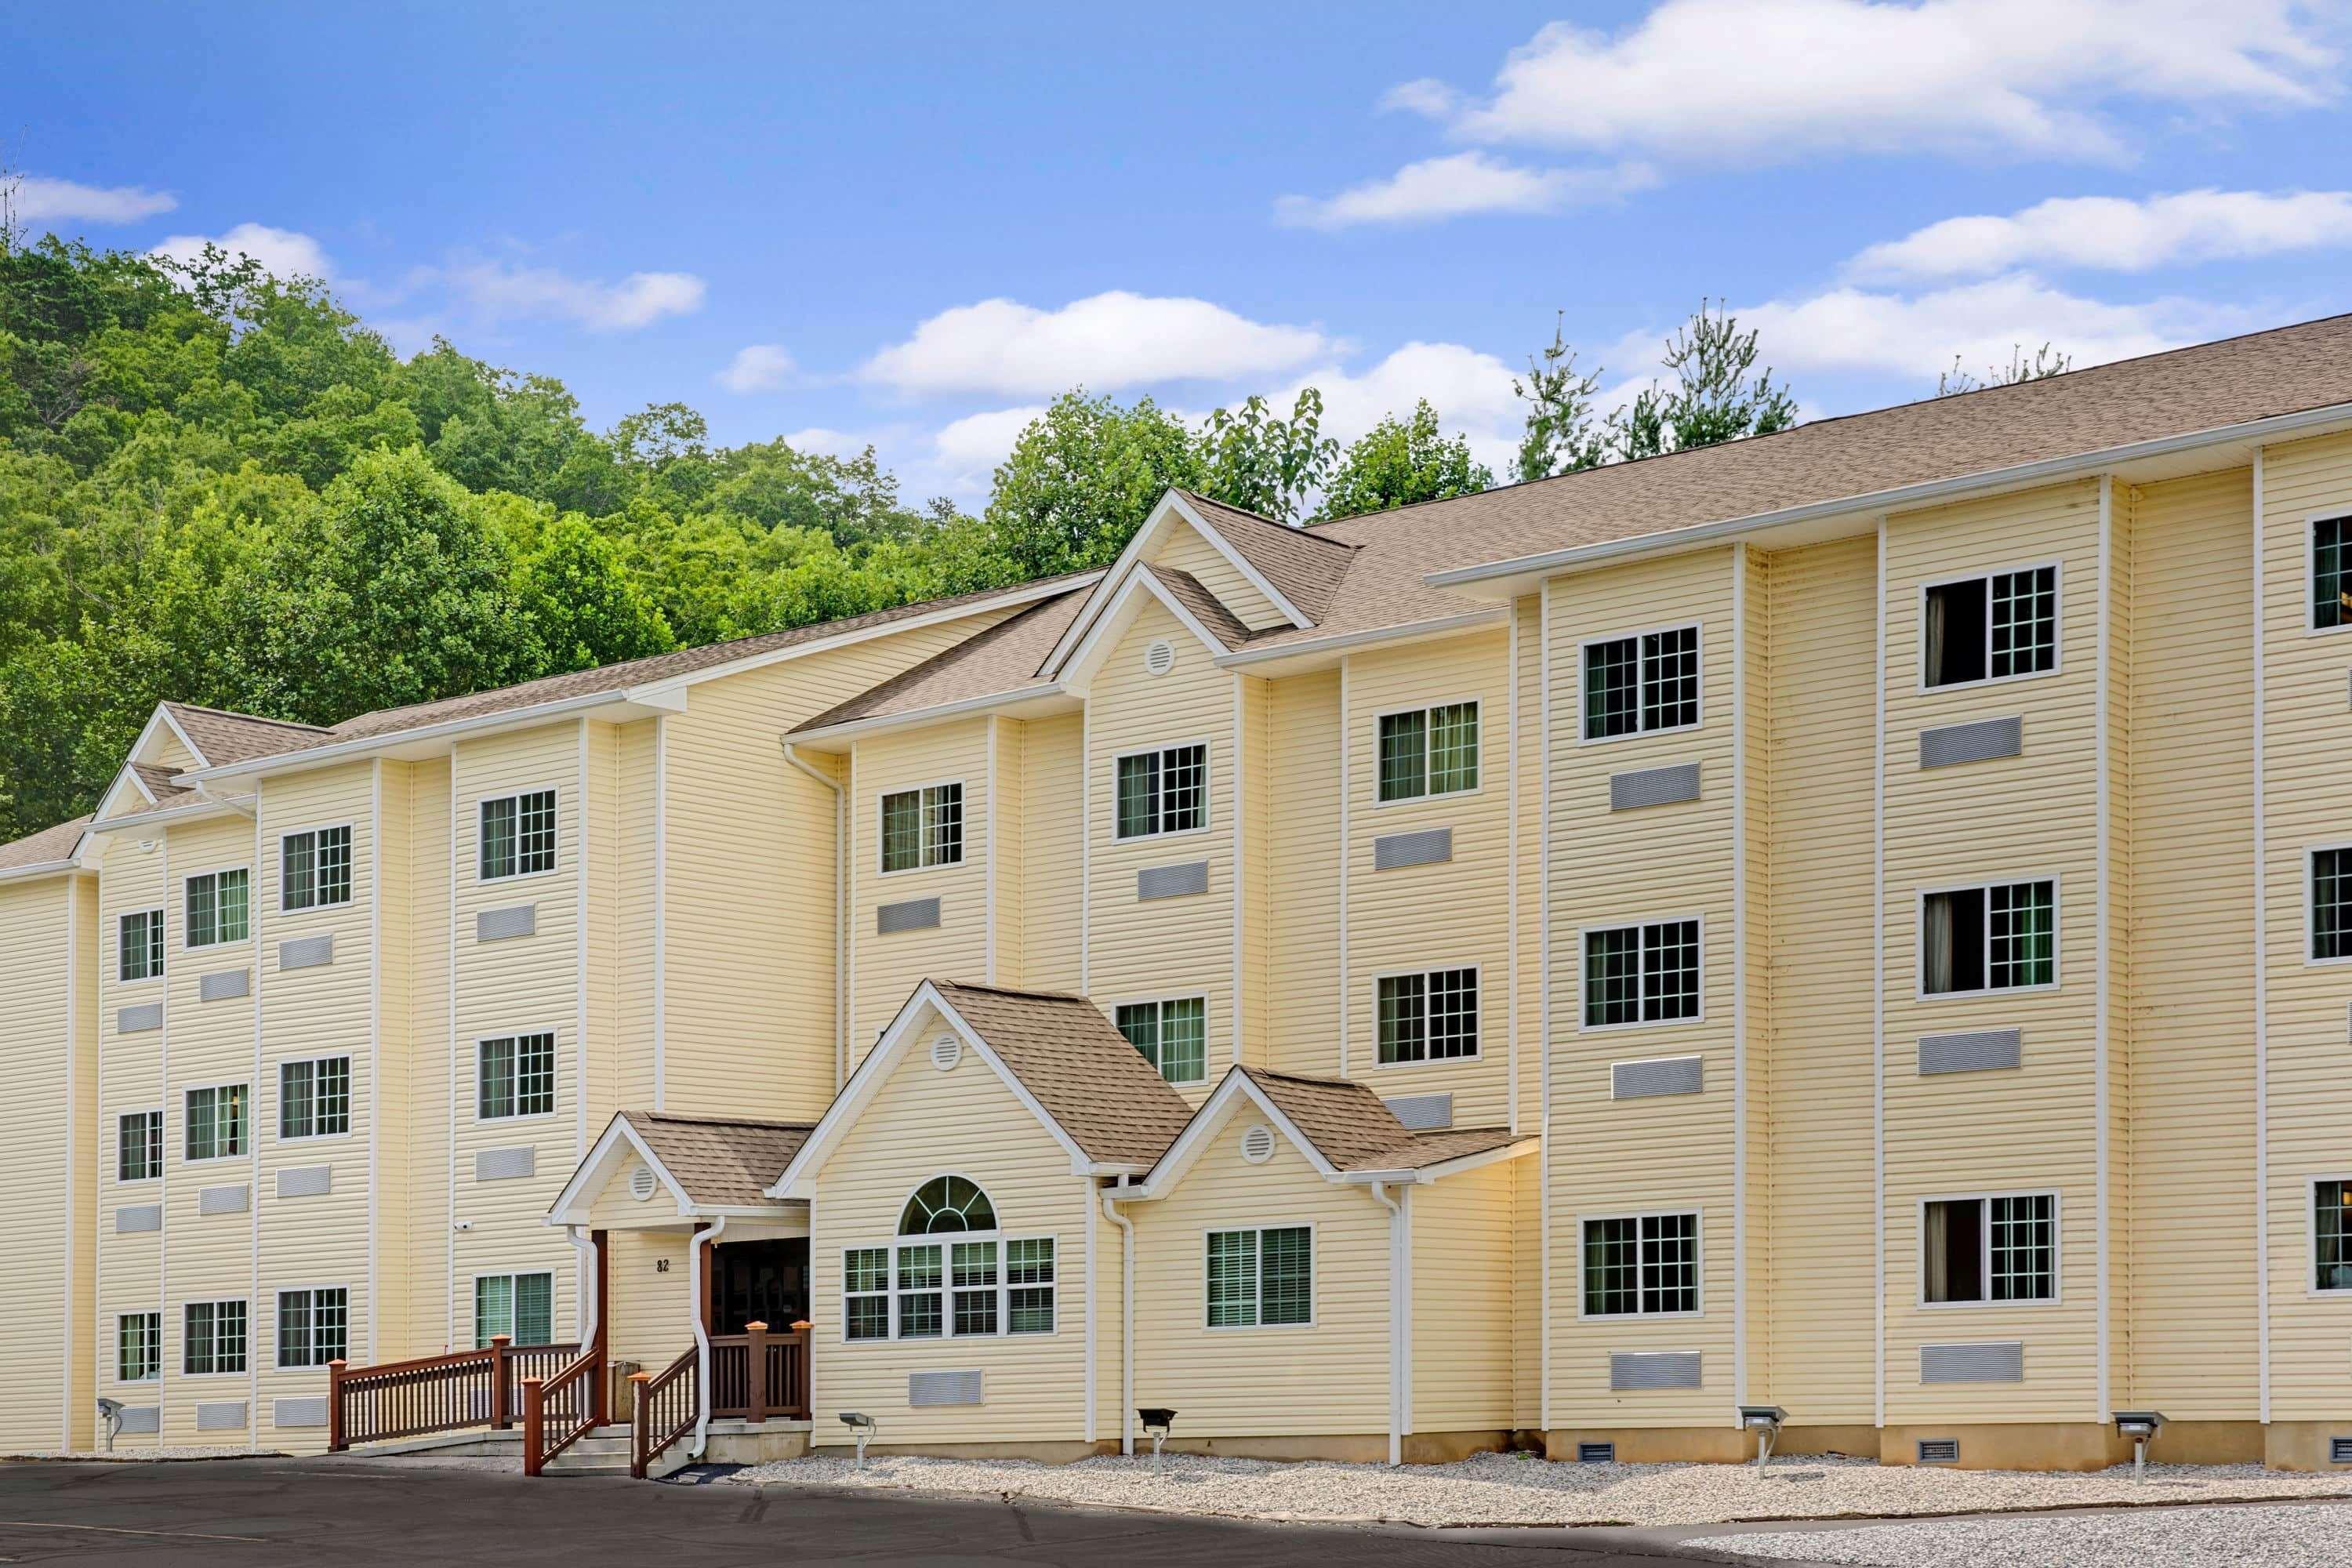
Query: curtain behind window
x=1936, y=942
x=1939, y=1242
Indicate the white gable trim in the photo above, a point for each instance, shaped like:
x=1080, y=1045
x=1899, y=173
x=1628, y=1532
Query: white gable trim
x=1118, y=615
x=114, y=792
x=1172, y=509
x=163, y=714
x=798, y=1180
x=1194, y=1139
x=1223, y=546
x=602, y=1163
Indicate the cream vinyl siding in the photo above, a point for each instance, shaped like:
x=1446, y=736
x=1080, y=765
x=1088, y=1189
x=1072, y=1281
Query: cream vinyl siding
x=2305, y=802
x=1444, y=916
x=651, y=1308
x=398, y=1203
x=2030, y=817
x=2191, y=1243
x=748, y=891
x=636, y=754
x=1616, y=868
x=1301, y=844
x=1528, y=753
x=45, y=1232
x=1008, y=845
x=1327, y=1379
x=426, y=1240
x=922, y=1123
x=515, y=986
x=132, y=1276
x=1186, y=551
x=1463, y=1289
x=1254, y=957
x=1052, y=840
x=1811, y=1057
x=1166, y=947
x=888, y=968
x=1526, y=1291
x=607, y=1051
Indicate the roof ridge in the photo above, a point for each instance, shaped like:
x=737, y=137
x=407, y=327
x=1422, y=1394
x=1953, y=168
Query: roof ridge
x=720, y=1121
x=1298, y=529
x=249, y=718
x=1010, y=990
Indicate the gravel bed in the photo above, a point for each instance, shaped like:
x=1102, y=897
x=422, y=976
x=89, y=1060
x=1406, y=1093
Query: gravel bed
x=1520, y=1489
x=2306, y=1537
x=134, y=1456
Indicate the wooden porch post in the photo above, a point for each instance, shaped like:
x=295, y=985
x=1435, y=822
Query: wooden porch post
x=502, y=1412
x=533, y=1425
x=641, y=1423
x=335, y=1406
x=755, y=1373
x=600, y=1384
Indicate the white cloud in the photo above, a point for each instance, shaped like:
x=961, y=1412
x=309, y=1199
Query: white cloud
x=1470, y=391
x=1460, y=184
x=966, y=451
x=1426, y=96
x=760, y=367
x=2118, y=235
x=283, y=252
x=1754, y=81
x=1105, y=343
x=38, y=200
x=497, y=290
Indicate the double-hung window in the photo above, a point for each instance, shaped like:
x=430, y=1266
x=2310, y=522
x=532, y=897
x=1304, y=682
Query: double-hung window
x=519, y=1305
x=1261, y=1277
x=2331, y=904
x=1163, y=791
x=216, y=1123
x=314, y=1098
x=314, y=869
x=214, y=1340
x=1429, y=751
x=140, y=945
x=517, y=835
x=949, y=1274
x=139, y=1146
x=1989, y=1250
x=514, y=1076
x=1432, y=1017
x=2331, y=573
x=218, y=908
x=2000, y=937
x=1637, y=684
x=1173, y=1036
x=314, y=1326
x=1989, y=628
x=139, y=1347
x=1646, y=974
x=1641, y=1266
x=922, y=827
x=2331, y=1235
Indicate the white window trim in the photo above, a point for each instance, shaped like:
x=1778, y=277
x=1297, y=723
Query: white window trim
x=2058, y=611
x=186, y=926
x=1478, y=981
x=154, y=1377
x=964, y=838
x=216, y=1302
x=1208, y=1035
x=349, y=901
x=351, y=1082
x=2311, y=626
x=554, y=1300
x=2311, y=1242
x=2311, y=854
x=480, y=802
x=1919, y=992
x=252, y=1133
x=1582, y=739
x=1314, y=1276
x=474, y=1106
x=164, y=1127
x=1428, y=796
x=163, y=965
x=276, y=1307
x=1208, y=792
x=1582, y=1027
x=1699, y=1264
x=945, y=1240
x=2057, y=1249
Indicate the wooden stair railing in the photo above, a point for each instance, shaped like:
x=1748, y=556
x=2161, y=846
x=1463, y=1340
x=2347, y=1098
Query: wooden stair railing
x=662, y=1409
x=558, y=1411
x=754, y=1377
x=435, y=1394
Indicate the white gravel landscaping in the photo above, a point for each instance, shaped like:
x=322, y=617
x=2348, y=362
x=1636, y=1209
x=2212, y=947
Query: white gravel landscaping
x=135, y=1455
x=1519, y=1489
x=2311, y=1536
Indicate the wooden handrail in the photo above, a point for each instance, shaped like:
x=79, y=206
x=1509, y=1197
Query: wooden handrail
x=433, y=1393
x=663, y=1409
x=561, y=1410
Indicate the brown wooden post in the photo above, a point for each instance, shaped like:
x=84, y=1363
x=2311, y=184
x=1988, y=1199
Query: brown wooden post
x=641, y=1423
x=755, y=1380
x=805, y=1406
x=601, y=1411
x=335, y=1406
x=533, y=1425
x=501, y=1410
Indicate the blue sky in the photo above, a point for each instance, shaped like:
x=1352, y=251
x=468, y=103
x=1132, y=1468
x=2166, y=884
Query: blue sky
x=909, y=225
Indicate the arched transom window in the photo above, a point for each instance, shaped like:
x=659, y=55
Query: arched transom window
x=969, y=1283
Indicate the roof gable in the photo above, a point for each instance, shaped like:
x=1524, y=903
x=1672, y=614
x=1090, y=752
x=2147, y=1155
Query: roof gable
x=704, y=1165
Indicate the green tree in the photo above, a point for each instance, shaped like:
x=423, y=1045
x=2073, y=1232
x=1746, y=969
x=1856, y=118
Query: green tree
x=1082, y=477
x=1562, y=432
x=1399, y=462
x=1718, y=394
x=2046, y=361
x=1267, y=464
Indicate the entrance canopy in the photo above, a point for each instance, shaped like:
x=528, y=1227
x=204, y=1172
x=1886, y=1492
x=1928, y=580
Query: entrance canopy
x=652, y=1168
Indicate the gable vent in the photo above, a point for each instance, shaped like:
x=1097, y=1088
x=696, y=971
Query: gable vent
x=641, y=1183
x=1596, y=1453
x=1161, y=657
x=1939, y=1450
x=946, y=1051
x=1257, y=1145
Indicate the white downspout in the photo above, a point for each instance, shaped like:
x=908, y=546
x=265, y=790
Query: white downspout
x=840, y=910
x=1398, y=1306
x=702, y=1238
x=1126, y=1315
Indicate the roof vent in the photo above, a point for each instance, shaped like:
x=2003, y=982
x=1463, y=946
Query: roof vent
x=1939, y=1450
x=946, y=1051
x=1257, y=1145
x=1596, y=1453
x=641, y=1183
x=1160, y=657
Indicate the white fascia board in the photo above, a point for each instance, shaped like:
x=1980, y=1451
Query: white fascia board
x=126, y=775
x=570, y=1204
x=1905, y=497
x=207, y=807
x=1077, y=673
x=392, y=740
x=162, y=719
x=1236, y=1084
x=44, y=867
x=1423, y=1175
x=1225, y=547
x=1171, y=510
x=1348, y=642
x=853, y=729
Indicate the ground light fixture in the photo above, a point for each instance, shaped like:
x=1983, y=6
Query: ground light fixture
x=864, y=1426
x=1764, y=1420
x=2141, y=1426
x=110, y=1418
x=1157, y=1419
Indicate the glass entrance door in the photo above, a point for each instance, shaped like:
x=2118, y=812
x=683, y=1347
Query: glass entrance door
x=758, y=1281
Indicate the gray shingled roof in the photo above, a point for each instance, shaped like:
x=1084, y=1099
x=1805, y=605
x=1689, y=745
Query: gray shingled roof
x=224, y=737
x=720, y=1162
x=1094, y=1084
x=1005, y=657
x=50, y=844
x=1304, y=564
x=1355, y=1131
x=1203, y=605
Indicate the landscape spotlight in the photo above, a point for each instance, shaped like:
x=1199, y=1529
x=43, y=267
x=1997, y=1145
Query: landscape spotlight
x=864, y=1426
x=1764, y=1420
x=110, y=1416
x=1156, y=1421
x=2140, y=1426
